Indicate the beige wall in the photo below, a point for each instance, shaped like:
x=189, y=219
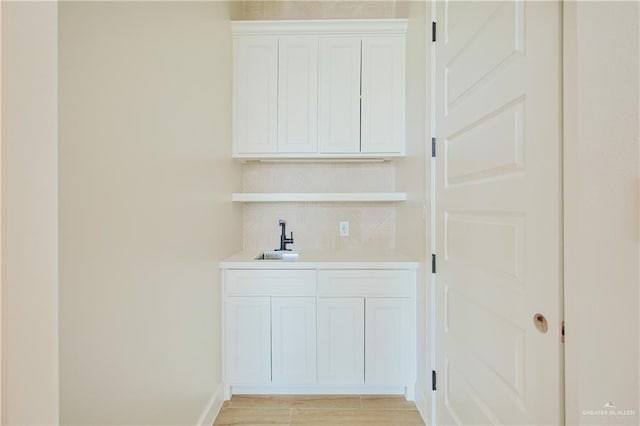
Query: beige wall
x=601, y=210
x=29, y=216
x=412, y=175
x=145, y=211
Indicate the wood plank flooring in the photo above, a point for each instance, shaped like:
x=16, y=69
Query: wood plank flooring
x=318, y=410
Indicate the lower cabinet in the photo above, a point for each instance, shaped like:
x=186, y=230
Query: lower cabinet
x=320, y=328
x=293, y=340
x=364, y=341
x=271, y=340
x=248, y=339
x=388, y=348
x=341, y=341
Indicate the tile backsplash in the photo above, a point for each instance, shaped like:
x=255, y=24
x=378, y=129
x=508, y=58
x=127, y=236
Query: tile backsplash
x=283, y=9
x=315, y=225
x=319, y=177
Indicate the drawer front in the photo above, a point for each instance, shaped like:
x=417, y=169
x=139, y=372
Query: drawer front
x=270, y=282
x=366, y=283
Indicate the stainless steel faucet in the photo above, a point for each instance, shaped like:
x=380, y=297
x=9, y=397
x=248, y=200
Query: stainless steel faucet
x=283, y=237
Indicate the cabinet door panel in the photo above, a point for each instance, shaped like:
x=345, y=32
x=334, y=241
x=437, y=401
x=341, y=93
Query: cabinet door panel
x=388, y=345
x=297, y=94
x=383, y=95
x=294, y=340
x=341, y=341
x=255, y=95
x=339, y=95
x=248, y=343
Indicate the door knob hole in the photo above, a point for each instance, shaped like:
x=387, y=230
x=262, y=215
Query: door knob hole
x=541, y=323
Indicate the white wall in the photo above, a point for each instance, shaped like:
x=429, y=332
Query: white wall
x=602, y=182
x=145, y=212
x=29, y=216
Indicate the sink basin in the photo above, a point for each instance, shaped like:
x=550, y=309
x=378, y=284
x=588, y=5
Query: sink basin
x=278, y=255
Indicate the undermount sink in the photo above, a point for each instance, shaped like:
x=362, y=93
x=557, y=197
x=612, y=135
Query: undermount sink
x=278, y=255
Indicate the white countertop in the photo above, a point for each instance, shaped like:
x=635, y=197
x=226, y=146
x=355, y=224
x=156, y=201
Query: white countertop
x=325, y=259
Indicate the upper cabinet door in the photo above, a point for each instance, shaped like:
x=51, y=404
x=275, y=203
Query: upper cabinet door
x=339, y=95
x=383, y=95
x=255, y=86
x=298, y=94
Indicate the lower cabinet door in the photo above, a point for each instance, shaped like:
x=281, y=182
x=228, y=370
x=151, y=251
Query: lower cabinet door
x=341, y=341
x=248, y=340
x=293, y=338
x=388, y=341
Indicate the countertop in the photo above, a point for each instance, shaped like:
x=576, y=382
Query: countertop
x=325, y=259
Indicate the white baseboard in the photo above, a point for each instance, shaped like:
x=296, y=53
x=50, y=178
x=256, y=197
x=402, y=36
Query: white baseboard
x=213, y=407
x=316, y=390
x=423, y=405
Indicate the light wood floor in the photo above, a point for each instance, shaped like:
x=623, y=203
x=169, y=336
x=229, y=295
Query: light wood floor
x=318, y=410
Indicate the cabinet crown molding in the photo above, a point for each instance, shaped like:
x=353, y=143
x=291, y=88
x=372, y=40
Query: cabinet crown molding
x=320, y=27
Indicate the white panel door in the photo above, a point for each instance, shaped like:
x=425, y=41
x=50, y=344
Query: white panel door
x=248, y=340
x=383, y=94
x=297, y=94
x=498, y=231
x=293, y=340
x=339, y=95
x=255, y=83
x=388, y=336
x=341, y=341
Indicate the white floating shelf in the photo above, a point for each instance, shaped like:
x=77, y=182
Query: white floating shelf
x=266, y=197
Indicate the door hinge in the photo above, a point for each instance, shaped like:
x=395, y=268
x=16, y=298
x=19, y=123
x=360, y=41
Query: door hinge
x=562, y=332
x=433, y=263
x=433, y=31
x=433, y=380
x=433, y=147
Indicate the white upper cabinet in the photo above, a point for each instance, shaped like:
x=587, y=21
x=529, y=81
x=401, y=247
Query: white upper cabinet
x=339, y=95
x=255, y=97
x=297, y=94
x=383, y=95
x=319, y=89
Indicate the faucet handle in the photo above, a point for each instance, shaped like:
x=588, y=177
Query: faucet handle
x=281, y=222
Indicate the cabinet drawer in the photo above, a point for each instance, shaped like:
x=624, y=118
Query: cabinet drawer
x=366, y=283
x=269, y=282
